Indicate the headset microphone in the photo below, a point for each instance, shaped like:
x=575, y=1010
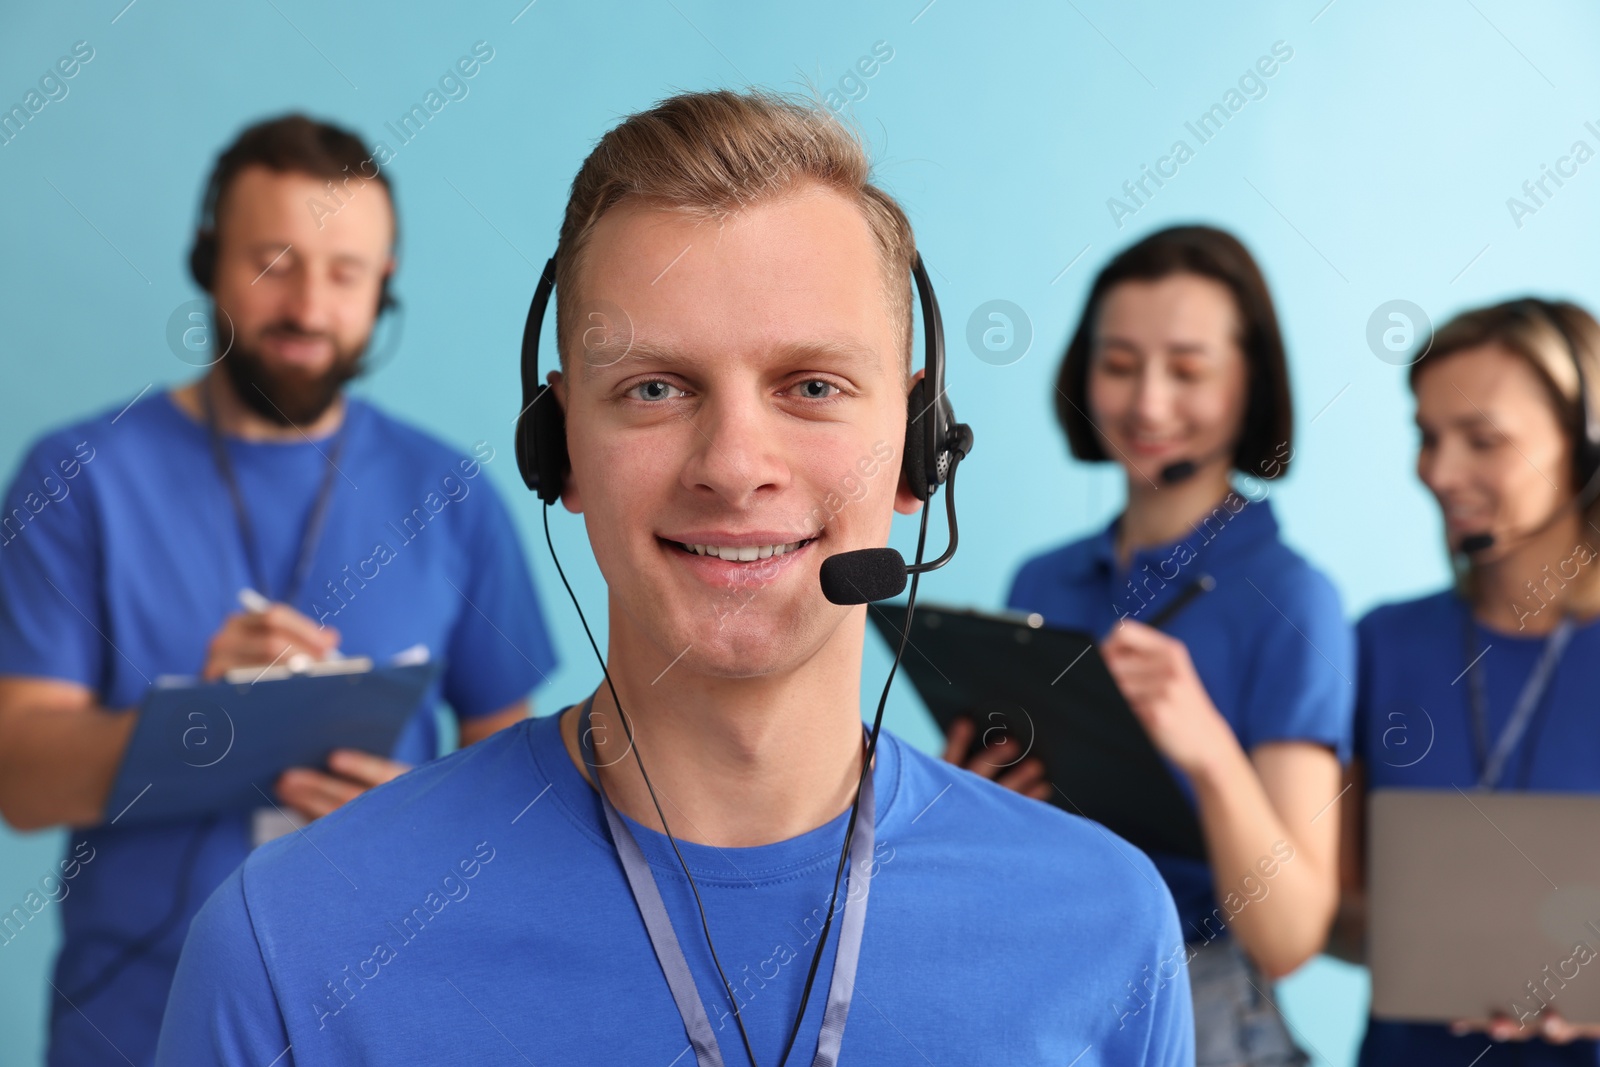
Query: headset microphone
x=1476, y=544
x=935, y=445
x=1180, y=471
x=869, y=574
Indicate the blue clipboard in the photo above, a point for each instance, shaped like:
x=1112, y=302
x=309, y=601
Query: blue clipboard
x=219, y=746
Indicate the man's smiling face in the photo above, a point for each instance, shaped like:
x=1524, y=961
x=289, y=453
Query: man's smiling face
x=750, y=426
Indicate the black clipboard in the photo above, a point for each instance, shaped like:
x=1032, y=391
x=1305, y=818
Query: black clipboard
x=219, y=746
x=1050, y=690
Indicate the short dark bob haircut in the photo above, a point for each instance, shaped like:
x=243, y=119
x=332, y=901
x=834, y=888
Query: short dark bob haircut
x=1266, y=438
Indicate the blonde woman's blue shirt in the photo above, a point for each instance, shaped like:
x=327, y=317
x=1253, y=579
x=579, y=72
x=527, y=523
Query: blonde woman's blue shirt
x=1414, y=731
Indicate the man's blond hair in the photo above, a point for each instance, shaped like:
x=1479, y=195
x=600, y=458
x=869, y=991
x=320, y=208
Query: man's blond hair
x=711, y=154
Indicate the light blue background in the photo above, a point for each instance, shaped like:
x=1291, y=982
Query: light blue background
x=1377, y=166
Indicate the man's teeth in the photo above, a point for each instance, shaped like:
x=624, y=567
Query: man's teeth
x=743, y=553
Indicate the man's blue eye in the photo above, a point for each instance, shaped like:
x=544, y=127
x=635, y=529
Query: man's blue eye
x=654, y=391
x=816, y=389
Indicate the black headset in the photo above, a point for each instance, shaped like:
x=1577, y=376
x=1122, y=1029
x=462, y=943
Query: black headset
x=1585, y=434
x=932, y=433
x=203, y=253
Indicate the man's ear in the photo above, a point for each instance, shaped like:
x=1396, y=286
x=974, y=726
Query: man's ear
x=905, y=501
x=570, y=498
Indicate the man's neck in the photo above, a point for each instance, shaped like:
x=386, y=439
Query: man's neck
x=236, y=419
x=734, y=762
x=1160, y=515
x=1538, y=580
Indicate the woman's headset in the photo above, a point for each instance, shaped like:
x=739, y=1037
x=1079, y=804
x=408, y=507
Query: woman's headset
x=1585, y=433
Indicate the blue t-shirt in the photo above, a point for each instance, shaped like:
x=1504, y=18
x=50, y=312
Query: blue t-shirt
x=1414, y=731
x=120, y=556
x=1269, y=642
x=475, y=911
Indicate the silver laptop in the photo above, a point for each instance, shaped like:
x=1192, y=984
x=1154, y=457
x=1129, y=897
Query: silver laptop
x=1483, y=903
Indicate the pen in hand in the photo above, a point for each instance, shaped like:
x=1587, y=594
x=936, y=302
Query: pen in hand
x=1203, y=584
x=253, y=602
x=257, y=604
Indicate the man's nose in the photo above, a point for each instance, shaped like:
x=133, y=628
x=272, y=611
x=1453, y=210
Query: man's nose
x=736, y=451
x=308, y=302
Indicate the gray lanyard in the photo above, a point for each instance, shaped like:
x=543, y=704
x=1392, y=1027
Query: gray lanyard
x=309, y=537
x=670, y=955
x=1492, y=762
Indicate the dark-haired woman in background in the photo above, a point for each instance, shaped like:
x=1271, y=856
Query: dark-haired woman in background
x=1177, y=373
x=1502, y=451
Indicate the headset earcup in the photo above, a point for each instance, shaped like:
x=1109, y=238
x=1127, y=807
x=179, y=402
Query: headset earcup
x=542, y=446
x=550, y=436
x=1588, y=457
x=203, y=259
x=1586, y=450
x=527, y=466
x=913, y=459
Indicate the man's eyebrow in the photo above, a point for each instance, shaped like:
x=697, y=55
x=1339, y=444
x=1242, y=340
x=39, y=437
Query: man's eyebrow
x=832, y=351
x=620, y=352
x=354, y=259
x=261, y=247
